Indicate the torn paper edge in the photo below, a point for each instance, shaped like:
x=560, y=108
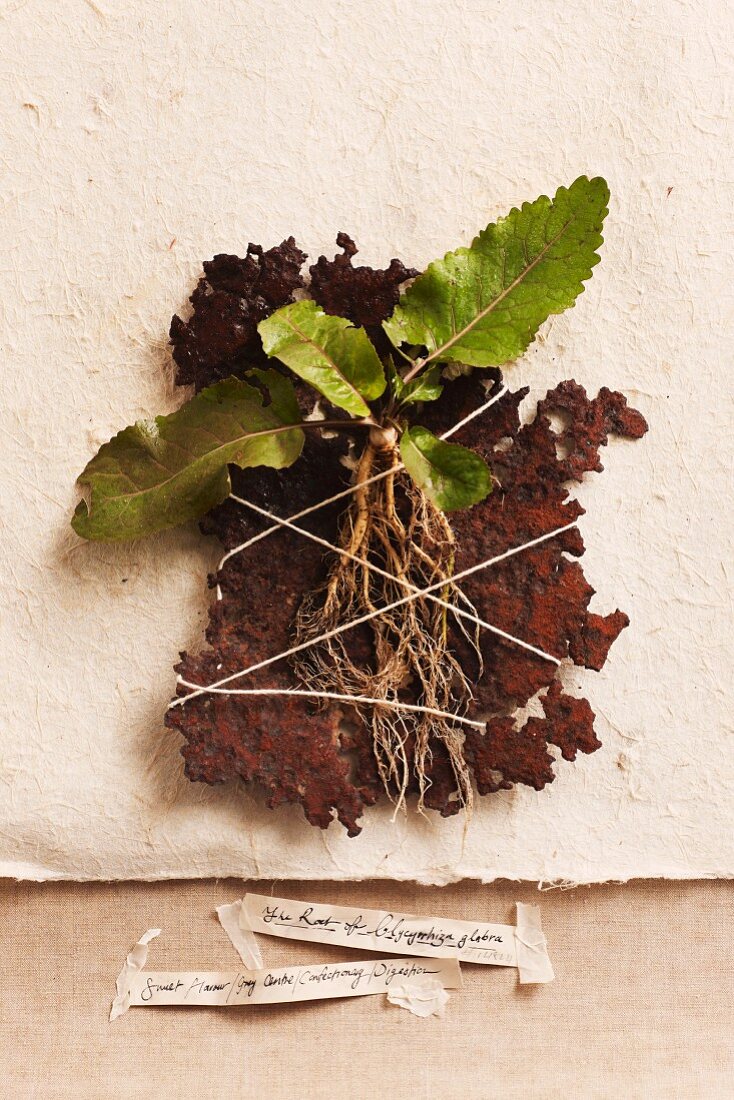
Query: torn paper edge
x=134, y=963
x=533, y=963
x=25, y=871
x=234, y=922
x=422, y=996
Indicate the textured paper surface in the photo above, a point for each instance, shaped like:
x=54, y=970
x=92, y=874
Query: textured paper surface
x=141, y=138
x=379, y=930
x=318, y=982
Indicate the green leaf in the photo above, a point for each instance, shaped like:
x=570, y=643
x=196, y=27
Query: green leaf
x=328, y=352
x=427, y=387
x=483, y=305
x=283, y=400
x=396, y=383
x=451, y=476
x=160, y=473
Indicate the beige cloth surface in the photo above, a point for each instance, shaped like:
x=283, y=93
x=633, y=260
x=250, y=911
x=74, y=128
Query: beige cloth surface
x=641, y=1007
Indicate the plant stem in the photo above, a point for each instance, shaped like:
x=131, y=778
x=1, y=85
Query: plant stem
x=403, y=355
x=333, y=425
x=417, y=368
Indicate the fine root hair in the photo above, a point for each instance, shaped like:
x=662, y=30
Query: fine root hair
x=393, y=528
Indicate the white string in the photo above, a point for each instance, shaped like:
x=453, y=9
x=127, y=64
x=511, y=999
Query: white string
x=394, y=704
x=353, y=488
x=204, y=689
x=398, y=580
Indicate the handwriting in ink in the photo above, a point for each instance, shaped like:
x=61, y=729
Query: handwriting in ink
x=287, y=979
x=199, y=985
x=244, y=986
x=308, y=920
x=274, y=914
x=395, y=929
x=150, y=988
x=325, y=974
x=388, y=971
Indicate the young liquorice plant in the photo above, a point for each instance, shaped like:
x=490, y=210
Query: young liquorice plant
x=477, y=307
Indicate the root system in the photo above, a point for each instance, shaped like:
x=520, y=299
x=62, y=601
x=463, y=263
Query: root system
x=392, y=538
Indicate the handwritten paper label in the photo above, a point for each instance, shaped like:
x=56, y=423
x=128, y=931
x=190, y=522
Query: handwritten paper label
x=378, y=930
x=523, y=946
x=287, y=983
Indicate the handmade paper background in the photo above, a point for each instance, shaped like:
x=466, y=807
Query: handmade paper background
x=138, y=139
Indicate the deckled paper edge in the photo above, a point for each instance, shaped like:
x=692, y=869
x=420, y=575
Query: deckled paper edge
x=25, y=871
x=423, y=997
x=533, y=964
x=134, y=963
x=234, y=922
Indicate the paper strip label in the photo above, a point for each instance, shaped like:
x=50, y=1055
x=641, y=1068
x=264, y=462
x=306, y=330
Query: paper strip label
x=533, y=963
x=134, y=962
x=432, y=937
x=243, y=940
x=318, y=981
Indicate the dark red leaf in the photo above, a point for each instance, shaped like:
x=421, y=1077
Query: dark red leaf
x=362, y=294
x=229, y=302
x=569, y=723
x=505, y=755
x=591, y=645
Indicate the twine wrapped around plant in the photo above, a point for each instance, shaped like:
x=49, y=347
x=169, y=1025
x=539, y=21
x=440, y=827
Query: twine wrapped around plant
x=389, y=628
